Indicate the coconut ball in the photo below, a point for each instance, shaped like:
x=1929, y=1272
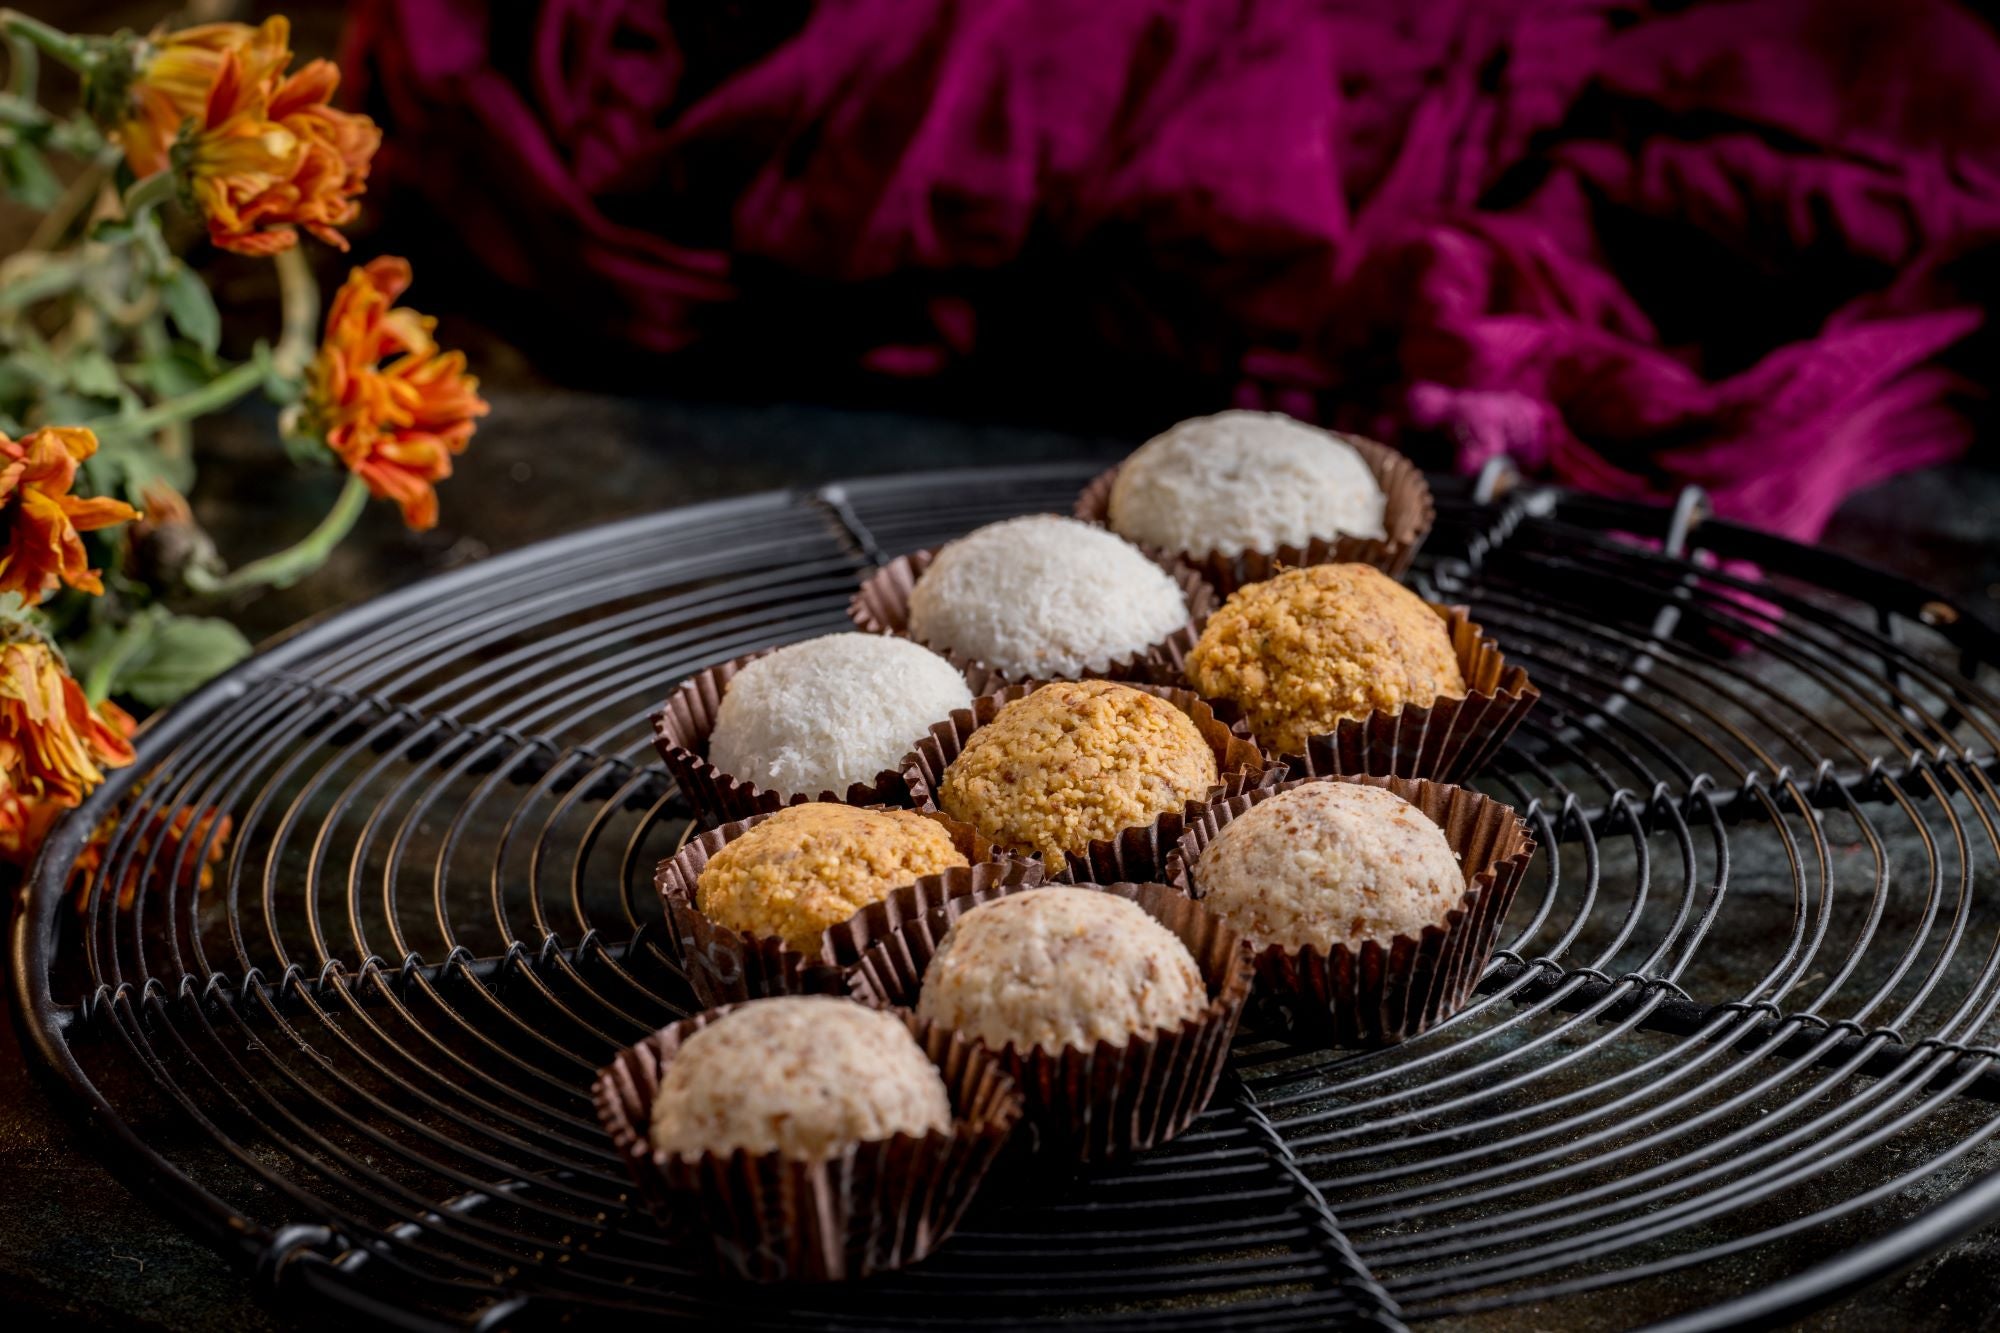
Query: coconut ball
x=811, y=866
x=822, y=715
x=1244, y=481
x=1060, y=967
x=802, y=1075
x=1330, y=863
x=1299, y=652
x=1044, y=596
x=1074, y=762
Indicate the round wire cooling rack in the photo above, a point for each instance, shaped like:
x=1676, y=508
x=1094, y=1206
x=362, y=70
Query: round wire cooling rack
x=1732, y=1061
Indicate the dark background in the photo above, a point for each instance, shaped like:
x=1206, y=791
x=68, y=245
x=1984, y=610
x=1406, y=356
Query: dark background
x=577, y=441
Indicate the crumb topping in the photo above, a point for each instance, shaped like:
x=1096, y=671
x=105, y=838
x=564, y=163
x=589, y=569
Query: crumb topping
x=1330, y=863
x=1077, y=761
x=1058, y=967
x=815, y=865
x=802, y=1075
x=1299, y=652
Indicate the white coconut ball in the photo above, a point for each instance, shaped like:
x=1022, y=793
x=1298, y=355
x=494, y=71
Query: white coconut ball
x=1330, y=863
x=1044, y=596
x=824, y=714
x=1244, y=481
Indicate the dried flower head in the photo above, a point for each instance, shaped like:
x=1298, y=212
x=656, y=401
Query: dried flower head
x=183, y=850
x=41, y=520
x=54, y=747
x=176, y=74
x=262, y=153
x=386, y=399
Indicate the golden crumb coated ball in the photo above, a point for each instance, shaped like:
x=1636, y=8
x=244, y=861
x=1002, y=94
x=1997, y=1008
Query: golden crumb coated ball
x=1060, y=967
x=1299, y=652
x=1074, y=762
x=802, y=1075
x=1330, y=863
x=815, y=865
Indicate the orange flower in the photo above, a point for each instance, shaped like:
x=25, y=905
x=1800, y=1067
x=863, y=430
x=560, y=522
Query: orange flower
x=387, y=400
x=53, y=746
x=337, y=148
x=40, y=521
x=173, y=84
x=265, y=153
x=206, y=831
x=23, y=826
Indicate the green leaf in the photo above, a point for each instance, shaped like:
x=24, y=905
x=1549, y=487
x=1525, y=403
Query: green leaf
x=174, y=371
x=181, y=653
x=28, y=176
x=192, y=308
x=92, y=372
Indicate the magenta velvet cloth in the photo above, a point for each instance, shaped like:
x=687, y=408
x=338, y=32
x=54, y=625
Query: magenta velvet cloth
x=1630, y=246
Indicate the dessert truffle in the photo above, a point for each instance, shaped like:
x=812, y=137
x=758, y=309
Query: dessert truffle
x=1044, y=596
x=802, y=1075
x=1299, y=652
x=811, y=866
x=1244, y=481
x=1330, y=863
x=823, y=715
x=1076, y=761
x=1060, y=967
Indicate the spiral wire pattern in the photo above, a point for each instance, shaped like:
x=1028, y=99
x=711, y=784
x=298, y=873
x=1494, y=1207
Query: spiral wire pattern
x=1746, y=994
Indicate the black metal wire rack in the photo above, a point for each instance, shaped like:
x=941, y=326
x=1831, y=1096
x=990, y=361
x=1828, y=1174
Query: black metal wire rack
x=1732, y=1060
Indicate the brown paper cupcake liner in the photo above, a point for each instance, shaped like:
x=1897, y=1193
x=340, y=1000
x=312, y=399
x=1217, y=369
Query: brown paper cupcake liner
x=882, y=606
x=1377, y=996
x=1136, y=854
x=1450, y=741
x=727, y=966
x=876, y=1206
x=681, y=728
x=1088, y=1105
x=1407, y=516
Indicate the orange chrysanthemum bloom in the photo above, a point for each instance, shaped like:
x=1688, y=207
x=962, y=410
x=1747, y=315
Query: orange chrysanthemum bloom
x=177, y=75
x=40, y=521
x=53, y=746
x=336, y=149
x=207, y=833
x=265, y=153
x=386, y=399
x=23, y=826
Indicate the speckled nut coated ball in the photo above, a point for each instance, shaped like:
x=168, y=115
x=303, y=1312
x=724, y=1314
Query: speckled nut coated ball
x=1044, y=596
x=802, y=1075
x=1244, y=481
x=822, y=715
x=811, y=866
x=1299, y=652
x=1076, y=761
x=1330, y=863
x=1060, y=967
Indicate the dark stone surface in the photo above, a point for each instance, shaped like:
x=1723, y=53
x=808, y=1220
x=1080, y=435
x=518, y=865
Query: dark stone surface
x=78, y=1250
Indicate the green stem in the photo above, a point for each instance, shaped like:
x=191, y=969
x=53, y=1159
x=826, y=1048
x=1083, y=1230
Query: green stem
x=55, y=224
x=97, y=683
x=213, y=396
x=298, y=297
x=283, y=568
x=50, y=41
x=18, y=113
x=24, y=67
x=37, y=277
x=146, y=195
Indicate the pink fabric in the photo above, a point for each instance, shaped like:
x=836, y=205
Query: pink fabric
x=1629, y=246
